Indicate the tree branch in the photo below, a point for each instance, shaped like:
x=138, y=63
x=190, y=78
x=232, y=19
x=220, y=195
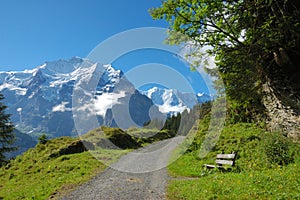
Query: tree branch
x=212, y=24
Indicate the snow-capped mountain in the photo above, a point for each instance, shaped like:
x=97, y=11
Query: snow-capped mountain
x=171, y=101
x=70, y=97
x=59, y=97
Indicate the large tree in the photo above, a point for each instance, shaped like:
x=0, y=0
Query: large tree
x=6, y=132
x=254, y=42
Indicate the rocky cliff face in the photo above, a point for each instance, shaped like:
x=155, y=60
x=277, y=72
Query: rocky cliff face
x=281, y=117
x=282, y=94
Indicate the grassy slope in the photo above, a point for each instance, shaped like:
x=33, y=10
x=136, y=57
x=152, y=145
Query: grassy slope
x=254, y=177
x=36, y=175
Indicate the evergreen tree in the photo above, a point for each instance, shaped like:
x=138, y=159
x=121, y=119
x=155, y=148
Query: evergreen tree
x=6, y=132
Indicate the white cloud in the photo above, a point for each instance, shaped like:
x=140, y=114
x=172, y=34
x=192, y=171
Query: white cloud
x=106, y=101
x=61, y=107
x=166, y=108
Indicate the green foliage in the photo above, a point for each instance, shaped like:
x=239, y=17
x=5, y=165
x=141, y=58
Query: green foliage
x=111, y=138
x=35, y=175
x=266, y=166
x=253, y=42
x=43, y=139
x=182, y=123
x=115, y=138
x=49, y=170
x=145, y=136
x=173, y=122
x=7, y=136
x=154, y=124
x=279, y=183
x=242, y=138
x=189, y=119
x=279, y=149
x=197, y=19
x=120, y=138
x=179, y=124
x=256, y=148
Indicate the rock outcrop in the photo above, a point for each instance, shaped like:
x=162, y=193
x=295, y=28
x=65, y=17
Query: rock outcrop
x=281, y=117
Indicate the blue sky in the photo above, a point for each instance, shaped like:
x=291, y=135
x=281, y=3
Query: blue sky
x=35, y=31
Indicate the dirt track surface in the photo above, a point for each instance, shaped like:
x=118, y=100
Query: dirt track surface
x=141, y=174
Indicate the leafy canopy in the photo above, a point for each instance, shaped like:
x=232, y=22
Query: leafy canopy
x=245, y=36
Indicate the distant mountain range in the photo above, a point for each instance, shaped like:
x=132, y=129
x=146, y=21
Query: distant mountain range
x=41, y=100
x=170, y=101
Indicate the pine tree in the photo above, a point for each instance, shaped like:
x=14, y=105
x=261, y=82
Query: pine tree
x=6, y=132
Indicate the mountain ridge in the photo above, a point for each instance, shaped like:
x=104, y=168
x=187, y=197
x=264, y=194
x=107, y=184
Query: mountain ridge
x=42, y=99
x=171, y=101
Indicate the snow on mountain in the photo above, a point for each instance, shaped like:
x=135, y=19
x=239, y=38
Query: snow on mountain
x=41, y=99
x=49, y=97
x=61, y=107
x=173, y=101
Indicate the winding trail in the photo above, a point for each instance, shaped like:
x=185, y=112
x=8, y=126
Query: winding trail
x=141, y=174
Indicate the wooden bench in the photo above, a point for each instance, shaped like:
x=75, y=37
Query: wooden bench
x=223, y=159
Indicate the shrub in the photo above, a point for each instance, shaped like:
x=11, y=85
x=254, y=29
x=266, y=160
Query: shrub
x=277, y=149
x=43, y=139
x=120, y=138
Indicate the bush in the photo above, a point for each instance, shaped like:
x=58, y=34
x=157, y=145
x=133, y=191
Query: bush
x=120, y=138
x=278, y=149
x=43, y=139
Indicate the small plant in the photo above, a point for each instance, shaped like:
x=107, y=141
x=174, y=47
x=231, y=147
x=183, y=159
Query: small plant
x=43, y=139
x=206, y=172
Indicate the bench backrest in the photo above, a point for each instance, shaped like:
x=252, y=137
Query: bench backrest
x=226, y=159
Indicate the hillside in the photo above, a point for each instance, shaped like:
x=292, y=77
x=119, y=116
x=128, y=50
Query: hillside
x=267, y=166
x=37, y=175
x=61, y=164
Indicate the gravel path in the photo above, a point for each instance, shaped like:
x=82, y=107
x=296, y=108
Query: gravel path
x=141, y=174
